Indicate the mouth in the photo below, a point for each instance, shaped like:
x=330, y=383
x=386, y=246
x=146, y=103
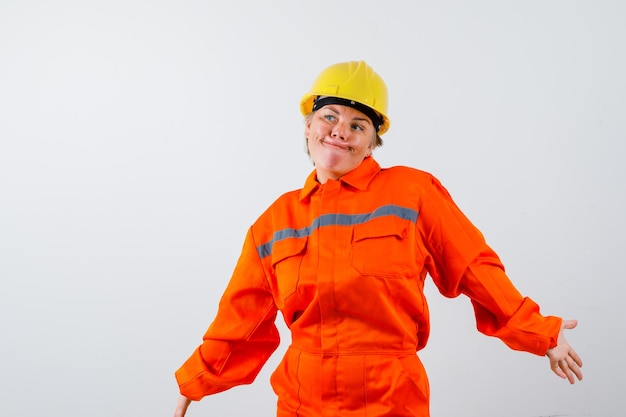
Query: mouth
x=336, y=145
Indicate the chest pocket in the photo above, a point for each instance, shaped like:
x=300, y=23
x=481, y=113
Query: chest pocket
x=384, y=247
x=287, y=255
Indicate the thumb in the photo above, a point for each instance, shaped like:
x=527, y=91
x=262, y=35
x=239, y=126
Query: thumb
x=570, y=324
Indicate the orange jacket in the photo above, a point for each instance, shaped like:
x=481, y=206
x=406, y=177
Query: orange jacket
x=345, y=263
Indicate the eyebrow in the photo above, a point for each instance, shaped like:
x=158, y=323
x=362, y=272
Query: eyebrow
x=359, y=118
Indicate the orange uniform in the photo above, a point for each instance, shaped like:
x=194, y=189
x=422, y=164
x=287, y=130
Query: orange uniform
x=345, y=263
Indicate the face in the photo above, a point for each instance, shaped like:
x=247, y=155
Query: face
x=338, y=138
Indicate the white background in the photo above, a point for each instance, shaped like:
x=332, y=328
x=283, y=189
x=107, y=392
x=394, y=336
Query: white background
x=139, y=140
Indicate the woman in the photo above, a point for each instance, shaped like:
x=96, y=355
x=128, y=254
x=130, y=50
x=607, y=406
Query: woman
x=344, y=259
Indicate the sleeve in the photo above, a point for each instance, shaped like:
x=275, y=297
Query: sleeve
x=501, y=311
x=460, y=262
x=242, y=336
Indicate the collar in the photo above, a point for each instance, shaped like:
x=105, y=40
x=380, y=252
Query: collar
x=359, y=178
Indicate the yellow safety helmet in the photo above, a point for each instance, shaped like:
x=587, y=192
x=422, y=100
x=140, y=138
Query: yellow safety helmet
x=353, y=84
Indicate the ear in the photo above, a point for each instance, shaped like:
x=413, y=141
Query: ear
x=307, y=127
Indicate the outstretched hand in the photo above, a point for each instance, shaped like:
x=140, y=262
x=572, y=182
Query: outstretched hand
x=564, y=361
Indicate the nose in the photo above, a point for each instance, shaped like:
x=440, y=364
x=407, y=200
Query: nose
x=339, y=131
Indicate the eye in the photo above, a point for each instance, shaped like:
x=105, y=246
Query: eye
x=358, y=127
x=329, y=117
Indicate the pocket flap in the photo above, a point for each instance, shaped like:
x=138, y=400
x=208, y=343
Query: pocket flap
x=381, y=227
x=287, y=248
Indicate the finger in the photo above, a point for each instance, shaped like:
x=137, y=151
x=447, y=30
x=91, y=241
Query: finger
x=567, y=371
x=570, y=324
x=556, y=368
x=573, y=367
x=575, y=357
